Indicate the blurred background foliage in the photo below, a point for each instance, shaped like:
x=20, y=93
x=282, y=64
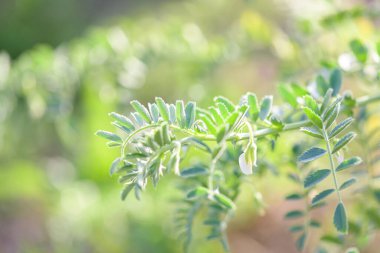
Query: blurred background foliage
x=65, y=64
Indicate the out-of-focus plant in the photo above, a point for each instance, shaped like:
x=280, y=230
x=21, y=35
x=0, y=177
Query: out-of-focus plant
x=155, y=140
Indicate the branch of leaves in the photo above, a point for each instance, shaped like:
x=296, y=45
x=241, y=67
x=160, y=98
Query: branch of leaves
x=220, y=207
x=222, y=119
x=143, y=118
x=153, y=155
x=323, y=117
x=291, y=93
x=301, y=229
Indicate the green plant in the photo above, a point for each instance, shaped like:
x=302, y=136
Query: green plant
x=157, y=139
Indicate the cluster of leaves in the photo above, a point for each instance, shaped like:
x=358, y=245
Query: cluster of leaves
x=301, y=228
x=156, y=139
x=323, y=118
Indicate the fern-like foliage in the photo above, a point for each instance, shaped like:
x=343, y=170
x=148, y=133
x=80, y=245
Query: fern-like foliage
x=302, y=218
x=155, y=140
x=323, y=118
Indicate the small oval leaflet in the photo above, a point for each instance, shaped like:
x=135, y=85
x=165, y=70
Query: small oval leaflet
x=349, y=163
x=224, y=201
x=347, y=184
x=316, y=177
x=265, y=107
x=294, y=214
x=322, y=195
x=311, y=154
x=194, y=171
x=313, y=117
x=340, y=127
x=340, y=218
x=343, y=142
x=312, y=131
x=336, y=81
x=300, y=243
x=108, y=135
x=141, y=110
x=162, y=108
x=197, y=192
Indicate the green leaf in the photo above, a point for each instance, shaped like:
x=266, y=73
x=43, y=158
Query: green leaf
x=300, y=243
x=112, y=144
x=265, y=107
x=331, y=108
x=296, y=228
x=336, y=81
x=315, y=224
x=276, y=123
x=108, y=135
x=163, y=109
x=349, y=163
x=253, y=106
x=294, y=196
x=326, y=100
x=122, y=120
x=322, y=195
x=193, y=172
x=347, y=184
x=165, y=134
x=316, y=177
x=360, y=50
x=209, y=124
x=312, y=131
x=340, y=127
x=226, y=102
x=298, y=90
x=127, y=189
x=332, y=117
x=190, y=114
x=343, y=141
x=311, y=154
x=114, y=166
x=294, y=214
x=322, y=85
x=311, y=103
x=197, y=192
x=287, y=95
x=332, y=239
x=180, y=113
x=223, y=110
x=153, y=109
x=233, y=119
x=225, y=201
x=141, y=110
x=172, y=113
x=216, y=115
x=313, y=117
x=340, y=218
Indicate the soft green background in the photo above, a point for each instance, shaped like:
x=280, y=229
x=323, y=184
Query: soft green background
x=65, y=64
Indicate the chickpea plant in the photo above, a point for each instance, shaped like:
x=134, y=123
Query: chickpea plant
x=154, y=140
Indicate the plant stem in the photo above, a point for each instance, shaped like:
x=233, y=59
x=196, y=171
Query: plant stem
x=212, y=169
x=331, y=162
